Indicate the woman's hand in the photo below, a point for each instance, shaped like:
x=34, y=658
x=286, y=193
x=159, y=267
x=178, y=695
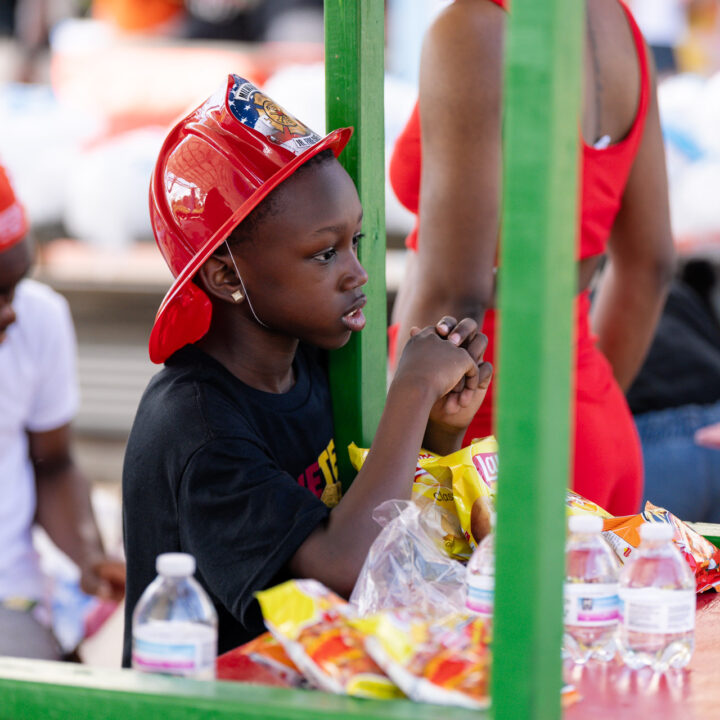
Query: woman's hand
x=104, y=577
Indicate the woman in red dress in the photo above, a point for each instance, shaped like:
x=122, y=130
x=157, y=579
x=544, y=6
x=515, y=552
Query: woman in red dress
x=456, y=131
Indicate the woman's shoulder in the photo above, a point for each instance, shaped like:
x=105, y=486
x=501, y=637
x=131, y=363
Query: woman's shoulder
x=464, y=39
x=456, y=13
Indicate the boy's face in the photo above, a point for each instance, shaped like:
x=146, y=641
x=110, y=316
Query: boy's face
x=14, y=265
x=301, y=269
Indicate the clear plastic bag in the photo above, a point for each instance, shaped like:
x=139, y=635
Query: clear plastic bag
x=405, y=567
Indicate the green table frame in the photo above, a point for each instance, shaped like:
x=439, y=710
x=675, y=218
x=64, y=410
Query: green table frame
x=542, y=91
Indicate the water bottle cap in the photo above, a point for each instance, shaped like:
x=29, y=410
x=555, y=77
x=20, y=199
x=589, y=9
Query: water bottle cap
x=656, y=531
x=585, y=523
x=175, y=564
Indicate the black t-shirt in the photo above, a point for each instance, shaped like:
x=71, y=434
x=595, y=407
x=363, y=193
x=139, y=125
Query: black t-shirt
x=230, y=474
x=683, y=364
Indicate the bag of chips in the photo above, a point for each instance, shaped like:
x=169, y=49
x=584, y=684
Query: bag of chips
x=578, y=505
x=623, y=535
x=263, y=660
x=472, y=474
x=312, y=624
x=431, y=490
x=442, y=661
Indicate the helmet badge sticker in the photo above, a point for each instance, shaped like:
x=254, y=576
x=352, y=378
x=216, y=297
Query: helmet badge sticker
x=257, y=111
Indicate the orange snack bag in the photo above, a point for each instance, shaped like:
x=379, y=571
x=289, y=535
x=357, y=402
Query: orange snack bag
x=623, y=535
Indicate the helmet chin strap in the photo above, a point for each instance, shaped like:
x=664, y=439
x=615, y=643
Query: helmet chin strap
x=242, y=285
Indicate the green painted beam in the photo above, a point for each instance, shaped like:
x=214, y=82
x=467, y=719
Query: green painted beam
x=58, y=691
x=710, y=531
x=354, y=52
x=536, y=286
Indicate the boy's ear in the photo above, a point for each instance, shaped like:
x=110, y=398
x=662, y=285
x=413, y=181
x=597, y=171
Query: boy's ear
x=219, y=278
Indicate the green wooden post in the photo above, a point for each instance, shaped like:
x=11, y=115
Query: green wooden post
x=536, y=285
x=354, y=42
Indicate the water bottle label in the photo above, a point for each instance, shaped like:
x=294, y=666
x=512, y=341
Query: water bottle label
x=480, y=594
x=591, y=604
x=654, y=610
x=164, y=648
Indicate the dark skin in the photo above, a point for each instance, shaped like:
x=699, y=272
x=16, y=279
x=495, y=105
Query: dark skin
x=461, y=180
x=306, y=253
x=63, y=498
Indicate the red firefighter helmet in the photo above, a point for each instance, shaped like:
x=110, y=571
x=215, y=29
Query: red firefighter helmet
x=214, y=167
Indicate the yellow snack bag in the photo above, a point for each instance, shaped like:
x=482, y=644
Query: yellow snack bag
x=462, y=486
x=431, y=489
x=472, y=474
x=445, y=661
x=313, y=625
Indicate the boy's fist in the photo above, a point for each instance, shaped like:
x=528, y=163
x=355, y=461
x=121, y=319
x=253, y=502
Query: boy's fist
x=447, y=358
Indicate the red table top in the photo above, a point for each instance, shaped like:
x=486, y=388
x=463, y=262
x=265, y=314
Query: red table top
x=616, y=693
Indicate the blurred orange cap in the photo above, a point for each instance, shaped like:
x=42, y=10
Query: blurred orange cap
x=13, y=220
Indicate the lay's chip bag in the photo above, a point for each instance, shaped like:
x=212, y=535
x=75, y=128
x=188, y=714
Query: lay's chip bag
x=431, y=489
x=472, y=474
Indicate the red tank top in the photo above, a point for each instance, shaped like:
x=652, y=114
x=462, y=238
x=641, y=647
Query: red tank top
x=604, y=172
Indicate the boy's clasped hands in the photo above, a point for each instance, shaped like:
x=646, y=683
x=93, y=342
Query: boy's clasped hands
x=448, y=359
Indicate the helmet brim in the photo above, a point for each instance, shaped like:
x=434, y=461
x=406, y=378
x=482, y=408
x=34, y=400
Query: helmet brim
x=185, y=313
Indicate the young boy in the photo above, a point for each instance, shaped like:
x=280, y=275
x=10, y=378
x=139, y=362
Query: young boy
x=39, y=482
x=231, y=456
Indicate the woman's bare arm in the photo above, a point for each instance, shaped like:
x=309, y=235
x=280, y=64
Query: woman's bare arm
x=460, y=114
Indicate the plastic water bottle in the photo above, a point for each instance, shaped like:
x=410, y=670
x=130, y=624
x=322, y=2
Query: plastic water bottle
x=591, y=593
x=657, y=603
x=174, y=623
x=480, y=576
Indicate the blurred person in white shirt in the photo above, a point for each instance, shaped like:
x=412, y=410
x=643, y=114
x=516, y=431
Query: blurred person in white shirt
x=39, y=480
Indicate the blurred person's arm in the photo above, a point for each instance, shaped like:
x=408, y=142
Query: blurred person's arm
x=65, y=512
x=460, y=115
x=31, y=31
x=640, y=258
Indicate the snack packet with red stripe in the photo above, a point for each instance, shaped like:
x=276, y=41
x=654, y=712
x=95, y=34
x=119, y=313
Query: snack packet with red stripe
x=263, y=660
x=313, y=625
